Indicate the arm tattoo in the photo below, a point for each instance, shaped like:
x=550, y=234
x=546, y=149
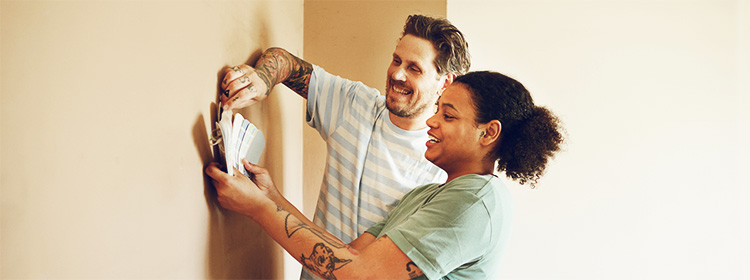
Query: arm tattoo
x=294, y=227
x=280, y=66
x=300, y=81
x=322, y=259
x=413, y=270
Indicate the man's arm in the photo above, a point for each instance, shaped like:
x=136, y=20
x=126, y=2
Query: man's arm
x=243, y=85
x=312, y=246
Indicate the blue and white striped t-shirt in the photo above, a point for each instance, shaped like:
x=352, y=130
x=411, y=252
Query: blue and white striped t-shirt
x=371, y=162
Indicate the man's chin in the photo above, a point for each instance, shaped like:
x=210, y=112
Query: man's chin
x=402, y=112
x=399, y=111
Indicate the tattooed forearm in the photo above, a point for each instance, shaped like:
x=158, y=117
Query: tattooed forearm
x=299, y=82
x=279, y=66
x=267, y=78
x=323, y=261
x=293, y=226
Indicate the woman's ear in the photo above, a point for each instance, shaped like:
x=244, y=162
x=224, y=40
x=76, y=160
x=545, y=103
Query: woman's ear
x=491, y=133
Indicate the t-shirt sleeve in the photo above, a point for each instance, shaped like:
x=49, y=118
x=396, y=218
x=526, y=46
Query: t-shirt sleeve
x=449, y=231
x=330, y=97
x=376, y=228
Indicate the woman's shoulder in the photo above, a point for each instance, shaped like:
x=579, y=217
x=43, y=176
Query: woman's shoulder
x=475, y=182
x=488, y=189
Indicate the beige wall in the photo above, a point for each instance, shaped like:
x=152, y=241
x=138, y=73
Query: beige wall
x=654, y=95
x=106, y=108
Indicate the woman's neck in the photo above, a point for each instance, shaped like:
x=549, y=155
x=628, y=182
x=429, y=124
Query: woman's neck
x=483, y=167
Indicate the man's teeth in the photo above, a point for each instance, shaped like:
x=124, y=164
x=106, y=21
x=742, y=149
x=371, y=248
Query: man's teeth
x=401, y=91
x=433, y=139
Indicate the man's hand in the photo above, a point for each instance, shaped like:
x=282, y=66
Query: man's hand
x=242, y=87
x=241, y=194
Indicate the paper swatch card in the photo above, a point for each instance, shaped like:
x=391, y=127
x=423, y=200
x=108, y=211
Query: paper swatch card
x=239, y=139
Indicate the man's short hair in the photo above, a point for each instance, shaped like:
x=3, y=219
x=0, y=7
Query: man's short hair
x=450, y=45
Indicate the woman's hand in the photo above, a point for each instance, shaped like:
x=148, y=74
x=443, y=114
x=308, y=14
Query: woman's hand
x=242, y=194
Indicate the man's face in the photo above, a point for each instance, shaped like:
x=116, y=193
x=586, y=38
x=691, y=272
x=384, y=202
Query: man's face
x=413, y=84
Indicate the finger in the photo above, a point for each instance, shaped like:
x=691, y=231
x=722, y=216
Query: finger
x=242, y=98
x=253, y=168
x=235, y=101
x=236, y=85
x=245, y=81
x=237, y=172
x=235, y=79
x=215, y=172
x=230, y=84
x=233, y=73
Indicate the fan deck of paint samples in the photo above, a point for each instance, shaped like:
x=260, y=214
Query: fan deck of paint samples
x=238, y=138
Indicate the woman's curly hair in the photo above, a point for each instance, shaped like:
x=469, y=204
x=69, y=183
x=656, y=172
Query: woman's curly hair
x=530, y=135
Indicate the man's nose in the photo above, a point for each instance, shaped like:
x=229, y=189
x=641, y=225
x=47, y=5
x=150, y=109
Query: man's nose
x=398, y=75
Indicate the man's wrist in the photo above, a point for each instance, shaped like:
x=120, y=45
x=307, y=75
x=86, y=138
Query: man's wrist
x=268, y=80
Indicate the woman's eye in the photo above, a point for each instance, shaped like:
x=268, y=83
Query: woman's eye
x=448, y=117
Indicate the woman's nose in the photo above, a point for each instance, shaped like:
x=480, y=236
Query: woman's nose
x=431, y=121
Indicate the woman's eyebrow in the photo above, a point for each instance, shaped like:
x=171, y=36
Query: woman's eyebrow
x=449, y=106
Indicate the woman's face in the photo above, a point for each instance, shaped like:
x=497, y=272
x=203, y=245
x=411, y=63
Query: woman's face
x=454, y=134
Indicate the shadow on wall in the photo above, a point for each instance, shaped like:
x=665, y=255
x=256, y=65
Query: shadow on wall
x=237, y=247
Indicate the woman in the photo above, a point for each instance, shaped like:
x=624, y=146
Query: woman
x=458, y=229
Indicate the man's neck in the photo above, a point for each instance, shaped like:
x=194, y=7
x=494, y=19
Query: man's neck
x=416, y=123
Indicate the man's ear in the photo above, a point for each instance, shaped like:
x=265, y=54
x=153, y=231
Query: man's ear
x=448, y=80
x=491, y=133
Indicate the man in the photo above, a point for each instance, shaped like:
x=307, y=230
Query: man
x=375, y=143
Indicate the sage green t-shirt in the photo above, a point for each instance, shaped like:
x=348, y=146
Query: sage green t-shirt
x=458, y=230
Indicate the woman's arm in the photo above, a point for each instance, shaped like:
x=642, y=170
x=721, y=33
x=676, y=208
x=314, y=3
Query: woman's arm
x=319, y=251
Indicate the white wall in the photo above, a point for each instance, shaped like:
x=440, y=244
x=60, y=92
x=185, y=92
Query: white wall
x=654, y=96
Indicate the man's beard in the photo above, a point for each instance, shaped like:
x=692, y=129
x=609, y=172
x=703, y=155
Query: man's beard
x=405, y=110
x=408, y=109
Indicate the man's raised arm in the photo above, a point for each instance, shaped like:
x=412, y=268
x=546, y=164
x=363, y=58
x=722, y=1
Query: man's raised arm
x=244, y=85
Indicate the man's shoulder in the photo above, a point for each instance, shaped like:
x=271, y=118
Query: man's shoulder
x=320, y=75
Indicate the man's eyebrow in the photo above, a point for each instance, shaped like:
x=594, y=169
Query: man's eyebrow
x=407, y=61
